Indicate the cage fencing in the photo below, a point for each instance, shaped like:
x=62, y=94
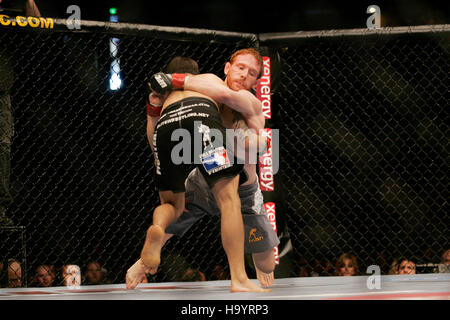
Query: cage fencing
x=363, y=122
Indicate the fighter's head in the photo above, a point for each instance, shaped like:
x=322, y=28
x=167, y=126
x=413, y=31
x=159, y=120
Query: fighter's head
x=182, y=65
x=178, y=64
x=244, y=69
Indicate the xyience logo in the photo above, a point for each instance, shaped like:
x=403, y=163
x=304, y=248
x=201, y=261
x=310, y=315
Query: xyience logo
x=263, y=89
x=271, y=214
x=266, y=165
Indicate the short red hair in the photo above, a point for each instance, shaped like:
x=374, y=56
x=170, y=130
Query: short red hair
x=252, y=52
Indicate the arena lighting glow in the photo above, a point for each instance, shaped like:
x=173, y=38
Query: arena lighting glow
x=115, y=79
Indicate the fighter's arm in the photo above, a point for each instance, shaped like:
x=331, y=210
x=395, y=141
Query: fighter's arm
x=151, y=123
x=249, y=139
x=209, y=84
x=154, y=106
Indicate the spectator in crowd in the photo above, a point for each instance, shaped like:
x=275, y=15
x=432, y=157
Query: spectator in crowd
x=328, y=269
x=406, y=266
x=10, y=274
x=45, y=276
x=71, y=275
x=192, y=275
x=316, y=268
x=94, y=273
x=322, y=268
x=394, y=267
x=347, y=265
x=220, y=273
x=444, y=266
x=382, y=262
x=304, y=270
x=403, y=266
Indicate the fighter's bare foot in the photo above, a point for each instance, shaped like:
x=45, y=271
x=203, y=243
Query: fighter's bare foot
x=135, y=274
x=265, y=279
x=151, y=252
x=246, y=286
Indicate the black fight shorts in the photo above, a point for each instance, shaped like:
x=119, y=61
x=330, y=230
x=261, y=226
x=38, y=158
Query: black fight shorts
x=190, y=134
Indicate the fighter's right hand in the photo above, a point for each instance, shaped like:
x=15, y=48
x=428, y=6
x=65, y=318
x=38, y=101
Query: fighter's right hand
x=162, y=82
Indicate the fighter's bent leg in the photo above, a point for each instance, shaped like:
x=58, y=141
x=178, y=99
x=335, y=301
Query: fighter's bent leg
x=232, y=233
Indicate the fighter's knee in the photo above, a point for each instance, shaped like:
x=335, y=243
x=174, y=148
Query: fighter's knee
x=266, y=267
x=265, y=261
x=169, y=208
x=228, y=201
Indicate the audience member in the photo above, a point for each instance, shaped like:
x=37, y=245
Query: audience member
x=444, y=266
x=192, y=275
x=402, y=266
x=10, y=274
x=322, y=268
x=347, y=265
x=394, y=267
x=95, y=273
x=328, y=269
x=220, y=273
x=304, y=270
x=71, y=275
x=381, y=261
x=406, y=266
x=316, y=268
x=45, y=276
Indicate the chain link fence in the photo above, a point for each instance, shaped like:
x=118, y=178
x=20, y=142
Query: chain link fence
x=363, y=125
x=363, y=120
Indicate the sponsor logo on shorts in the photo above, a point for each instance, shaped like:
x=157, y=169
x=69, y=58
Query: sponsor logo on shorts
x=215, y=160
x=252, y=238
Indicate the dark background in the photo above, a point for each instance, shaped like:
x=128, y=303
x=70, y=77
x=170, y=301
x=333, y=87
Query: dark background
x=257, y=16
